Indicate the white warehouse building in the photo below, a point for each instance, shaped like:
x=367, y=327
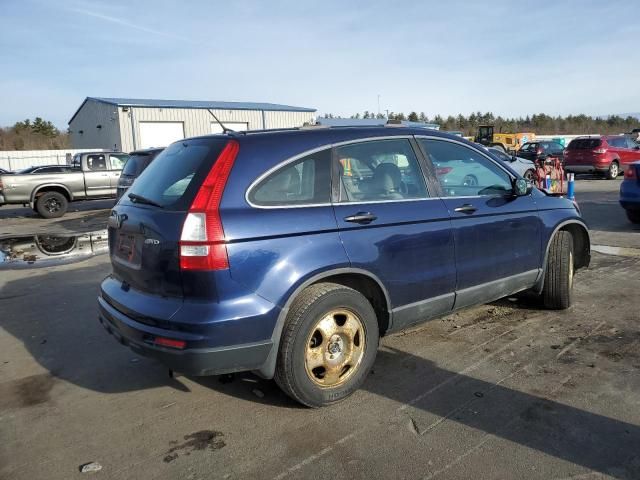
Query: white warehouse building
x=128, y=124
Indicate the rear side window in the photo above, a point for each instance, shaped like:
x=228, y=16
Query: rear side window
x=174, y=177
x=617, y=142
x=584, y=144
x=96, y=162
x=528, y=147
x=379, y=170
x=136, y=164
x=305, y=181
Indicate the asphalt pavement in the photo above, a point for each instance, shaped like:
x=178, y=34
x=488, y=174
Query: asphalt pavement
x=501, y=391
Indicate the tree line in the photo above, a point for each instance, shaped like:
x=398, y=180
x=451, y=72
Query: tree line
x=540, y=123
x=36, y=134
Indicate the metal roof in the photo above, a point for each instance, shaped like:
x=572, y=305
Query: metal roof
x=146, y=102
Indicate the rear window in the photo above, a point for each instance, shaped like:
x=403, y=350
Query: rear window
x=584, y=143
x=173, y=178
x=136, y=164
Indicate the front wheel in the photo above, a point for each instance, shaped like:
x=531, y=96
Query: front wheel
x=613, y=171
x=633, y=216
x=328, y=345
x=530, y=175
x=558, y=275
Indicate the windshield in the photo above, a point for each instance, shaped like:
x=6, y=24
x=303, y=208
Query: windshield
x=584, y=143
x=174, y=176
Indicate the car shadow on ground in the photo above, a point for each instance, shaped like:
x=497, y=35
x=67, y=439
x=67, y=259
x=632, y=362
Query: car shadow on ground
x=75, y=348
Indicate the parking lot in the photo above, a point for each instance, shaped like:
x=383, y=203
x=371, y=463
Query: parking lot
x=501, y=391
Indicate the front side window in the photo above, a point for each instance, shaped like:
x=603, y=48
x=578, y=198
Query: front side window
x=528, y=147
x=462, y=171
x=306, y=181
x=118, y=161
x=96, y=162
x=379, y=170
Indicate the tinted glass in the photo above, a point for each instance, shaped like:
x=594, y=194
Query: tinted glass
x=500, y=154
x=584, y=144
x=175, y=175
x=303, y=182
x=529, y=147
x=631, y=143
x=136, y=164
x=118, y=161
x=379, y=170
x=96, y=162
x=462, y=171
x=617, y=142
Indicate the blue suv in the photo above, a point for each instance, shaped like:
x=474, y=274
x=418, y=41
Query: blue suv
x=289, y=253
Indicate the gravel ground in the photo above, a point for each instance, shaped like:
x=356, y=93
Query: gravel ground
x=499, y=391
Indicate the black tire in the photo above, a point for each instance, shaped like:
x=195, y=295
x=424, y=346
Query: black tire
x=315, y=303
x=633, y=216
x=558, y=275
x=470, y=181
x=52, y=205
x=614, y=170
x=530, y=175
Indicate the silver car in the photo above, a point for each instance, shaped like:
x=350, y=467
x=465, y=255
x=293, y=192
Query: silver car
x=522, y=166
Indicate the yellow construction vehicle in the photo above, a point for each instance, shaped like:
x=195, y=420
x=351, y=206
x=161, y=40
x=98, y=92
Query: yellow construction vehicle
x=509, y=142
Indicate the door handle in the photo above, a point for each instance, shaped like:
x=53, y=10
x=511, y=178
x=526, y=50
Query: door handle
x=364, y=218
x=466, y=208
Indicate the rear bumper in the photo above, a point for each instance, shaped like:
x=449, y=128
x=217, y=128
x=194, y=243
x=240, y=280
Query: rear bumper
x=586, y=168
x=190, y=361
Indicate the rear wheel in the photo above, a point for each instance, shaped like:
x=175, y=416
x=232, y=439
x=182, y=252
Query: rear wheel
x=633, y=216
x=614, y=170
x=51, y=205
x=328, y=345
x=558, y=276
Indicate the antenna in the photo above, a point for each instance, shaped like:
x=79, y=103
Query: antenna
x=224, y=129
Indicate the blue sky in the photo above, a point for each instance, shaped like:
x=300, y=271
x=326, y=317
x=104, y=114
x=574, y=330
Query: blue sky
x=446, y=57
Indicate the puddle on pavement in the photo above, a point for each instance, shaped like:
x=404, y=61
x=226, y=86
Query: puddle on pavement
x=32, y=251
x=619, y=251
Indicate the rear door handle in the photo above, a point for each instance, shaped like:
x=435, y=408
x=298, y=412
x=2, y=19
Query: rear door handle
x=466, y=208
x=363, y=218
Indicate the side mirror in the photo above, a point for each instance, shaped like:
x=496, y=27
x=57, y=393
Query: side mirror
x=637, y=147
x=514, y=157
x=521, y=187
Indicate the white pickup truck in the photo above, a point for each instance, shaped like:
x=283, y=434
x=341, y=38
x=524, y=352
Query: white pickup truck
x=93, y=175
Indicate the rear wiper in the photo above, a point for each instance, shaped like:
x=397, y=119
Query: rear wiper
x=140, y=199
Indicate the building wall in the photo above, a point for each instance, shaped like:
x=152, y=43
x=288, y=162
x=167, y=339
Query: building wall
x=91, y=115
x=198, y=121
x=288, y=119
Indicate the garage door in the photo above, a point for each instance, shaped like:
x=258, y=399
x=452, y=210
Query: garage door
x=160, y=134
x=237, y=126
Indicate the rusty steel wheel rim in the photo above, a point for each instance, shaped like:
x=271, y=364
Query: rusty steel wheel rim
x=334, y=348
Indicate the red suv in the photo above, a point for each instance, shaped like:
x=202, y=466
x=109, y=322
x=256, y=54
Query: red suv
x=607, y=154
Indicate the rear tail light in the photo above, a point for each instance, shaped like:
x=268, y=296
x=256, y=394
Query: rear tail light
x=443, y=170
x=630, y=172
x=202, y=242
x=169, y=342
x=600, y=151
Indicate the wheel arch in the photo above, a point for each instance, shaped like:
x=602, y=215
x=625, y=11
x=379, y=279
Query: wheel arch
x=361, y=280
x=51, y=187
x=581, y=246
